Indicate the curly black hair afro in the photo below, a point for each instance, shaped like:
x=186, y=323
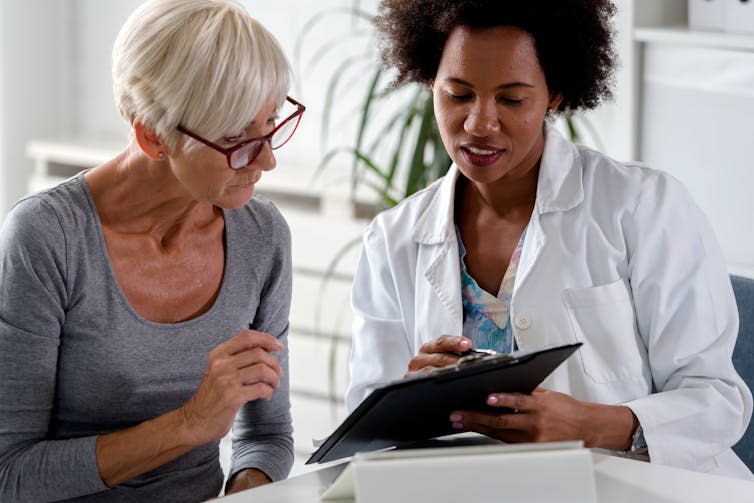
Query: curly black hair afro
x=573, y=38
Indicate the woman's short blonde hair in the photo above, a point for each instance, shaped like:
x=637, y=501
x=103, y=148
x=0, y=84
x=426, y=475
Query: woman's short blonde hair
x=203, y=64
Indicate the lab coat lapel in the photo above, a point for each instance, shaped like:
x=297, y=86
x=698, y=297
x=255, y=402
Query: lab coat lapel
x=559, y=188
x=438, y=254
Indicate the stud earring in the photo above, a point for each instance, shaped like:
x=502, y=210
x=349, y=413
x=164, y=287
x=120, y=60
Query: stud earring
x=161, y=155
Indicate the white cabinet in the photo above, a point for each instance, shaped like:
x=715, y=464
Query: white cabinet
x=685, y=98
x=739, y=16
x=707, y=14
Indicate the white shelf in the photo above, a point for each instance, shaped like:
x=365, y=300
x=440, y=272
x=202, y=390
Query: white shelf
x=77, y=153
x=682, y=35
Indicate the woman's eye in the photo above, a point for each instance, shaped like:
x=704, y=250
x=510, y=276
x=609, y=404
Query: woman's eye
x=511, y=101
x=459, y=97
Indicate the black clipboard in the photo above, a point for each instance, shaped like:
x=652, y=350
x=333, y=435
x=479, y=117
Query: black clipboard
x=418, y=408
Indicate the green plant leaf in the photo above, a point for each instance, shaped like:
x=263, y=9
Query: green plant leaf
x=411, y=113
x=417, y=167
x=353, y=13
x=572, y=131
x=330, y=94
x=363, y=123
x=358, y=156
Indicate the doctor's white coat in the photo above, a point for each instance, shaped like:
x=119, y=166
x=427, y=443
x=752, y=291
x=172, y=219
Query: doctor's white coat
x=616, y=256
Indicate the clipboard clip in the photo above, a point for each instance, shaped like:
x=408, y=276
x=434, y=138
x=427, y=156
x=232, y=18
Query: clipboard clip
x=473, y=356
x=470, y=358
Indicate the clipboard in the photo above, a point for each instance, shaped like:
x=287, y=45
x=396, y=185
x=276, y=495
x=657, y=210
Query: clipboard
x=418, y=408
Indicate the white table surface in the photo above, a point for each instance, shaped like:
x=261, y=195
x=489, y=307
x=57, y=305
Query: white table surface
x=618, y=480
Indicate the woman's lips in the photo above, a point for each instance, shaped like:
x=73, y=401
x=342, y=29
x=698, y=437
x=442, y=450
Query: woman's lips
x=481, y=155
x=250, y=181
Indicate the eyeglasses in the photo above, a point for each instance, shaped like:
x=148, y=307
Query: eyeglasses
x=241, y=155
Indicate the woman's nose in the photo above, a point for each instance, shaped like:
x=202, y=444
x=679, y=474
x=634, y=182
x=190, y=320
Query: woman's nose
x=266, y=159
x=482, y=120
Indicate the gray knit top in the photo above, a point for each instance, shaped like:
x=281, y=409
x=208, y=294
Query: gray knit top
x=77, y=361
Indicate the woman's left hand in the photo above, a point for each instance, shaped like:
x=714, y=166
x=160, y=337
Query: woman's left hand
x=547, y=416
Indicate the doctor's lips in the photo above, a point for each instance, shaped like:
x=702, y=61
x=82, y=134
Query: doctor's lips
x=481, y=155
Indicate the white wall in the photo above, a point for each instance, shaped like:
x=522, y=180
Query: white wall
x=2, y=111
x=35, y=93
x=97, y=25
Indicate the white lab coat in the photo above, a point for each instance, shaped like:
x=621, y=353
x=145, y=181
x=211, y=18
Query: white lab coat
x=616, y=256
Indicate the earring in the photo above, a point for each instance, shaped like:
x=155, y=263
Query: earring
x=161, y=155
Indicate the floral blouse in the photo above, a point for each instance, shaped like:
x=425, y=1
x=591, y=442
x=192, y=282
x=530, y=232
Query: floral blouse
x=486, y=318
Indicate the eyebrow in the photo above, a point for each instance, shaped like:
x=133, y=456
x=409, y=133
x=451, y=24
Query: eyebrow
x=508, y=85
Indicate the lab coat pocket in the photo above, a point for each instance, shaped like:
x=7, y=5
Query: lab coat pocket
x=602, y=317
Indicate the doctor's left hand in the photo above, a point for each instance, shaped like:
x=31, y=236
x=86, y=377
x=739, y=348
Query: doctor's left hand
x=548, y=416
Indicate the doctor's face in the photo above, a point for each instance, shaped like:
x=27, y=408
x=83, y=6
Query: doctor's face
x=491, y=98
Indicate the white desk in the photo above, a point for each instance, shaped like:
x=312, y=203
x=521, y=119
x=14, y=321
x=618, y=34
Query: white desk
x=618, y=480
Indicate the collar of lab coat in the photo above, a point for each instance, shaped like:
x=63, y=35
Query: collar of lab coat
x=559, y=188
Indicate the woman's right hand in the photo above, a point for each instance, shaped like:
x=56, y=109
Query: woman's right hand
x=239, y=370
x=438, y=353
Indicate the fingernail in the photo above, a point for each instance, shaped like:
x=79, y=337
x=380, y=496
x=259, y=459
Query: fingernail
x=492, y=400
x=455, y=418
x=466, y=343
x=457, y=426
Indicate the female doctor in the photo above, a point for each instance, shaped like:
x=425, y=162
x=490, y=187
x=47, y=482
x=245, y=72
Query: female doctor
x=531, y=241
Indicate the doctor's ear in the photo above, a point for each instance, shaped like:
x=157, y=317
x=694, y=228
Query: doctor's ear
x=555, y=101
x=149, y=142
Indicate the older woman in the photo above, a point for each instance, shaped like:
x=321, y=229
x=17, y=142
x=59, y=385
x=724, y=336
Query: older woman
x=531, y=241
x=144, y=304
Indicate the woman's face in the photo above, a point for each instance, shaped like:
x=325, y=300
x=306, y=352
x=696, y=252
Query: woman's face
x=491, y=98
x=205, y=174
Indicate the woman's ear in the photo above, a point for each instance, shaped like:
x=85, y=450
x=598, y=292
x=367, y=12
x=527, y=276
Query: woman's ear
x=555, y=101
x=149, y=142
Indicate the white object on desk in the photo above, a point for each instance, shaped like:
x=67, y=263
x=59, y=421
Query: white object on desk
x=739, y=16
x=618, y=480
x=707, y=14
x=557, y=471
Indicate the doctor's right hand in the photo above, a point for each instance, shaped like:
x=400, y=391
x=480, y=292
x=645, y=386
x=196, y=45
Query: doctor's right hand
x=445, y=350
x=239, y=370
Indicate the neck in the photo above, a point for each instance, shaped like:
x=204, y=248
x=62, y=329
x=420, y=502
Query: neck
x=505, y=198
x=136, y=195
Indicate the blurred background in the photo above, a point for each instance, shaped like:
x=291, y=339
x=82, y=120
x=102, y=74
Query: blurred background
x=684, y=103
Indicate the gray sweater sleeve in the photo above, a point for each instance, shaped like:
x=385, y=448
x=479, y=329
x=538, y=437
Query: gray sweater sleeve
x=262, y=432
x=33, y=298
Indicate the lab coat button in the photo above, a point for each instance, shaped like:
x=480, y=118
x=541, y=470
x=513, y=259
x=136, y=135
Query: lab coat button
x=522, y=321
